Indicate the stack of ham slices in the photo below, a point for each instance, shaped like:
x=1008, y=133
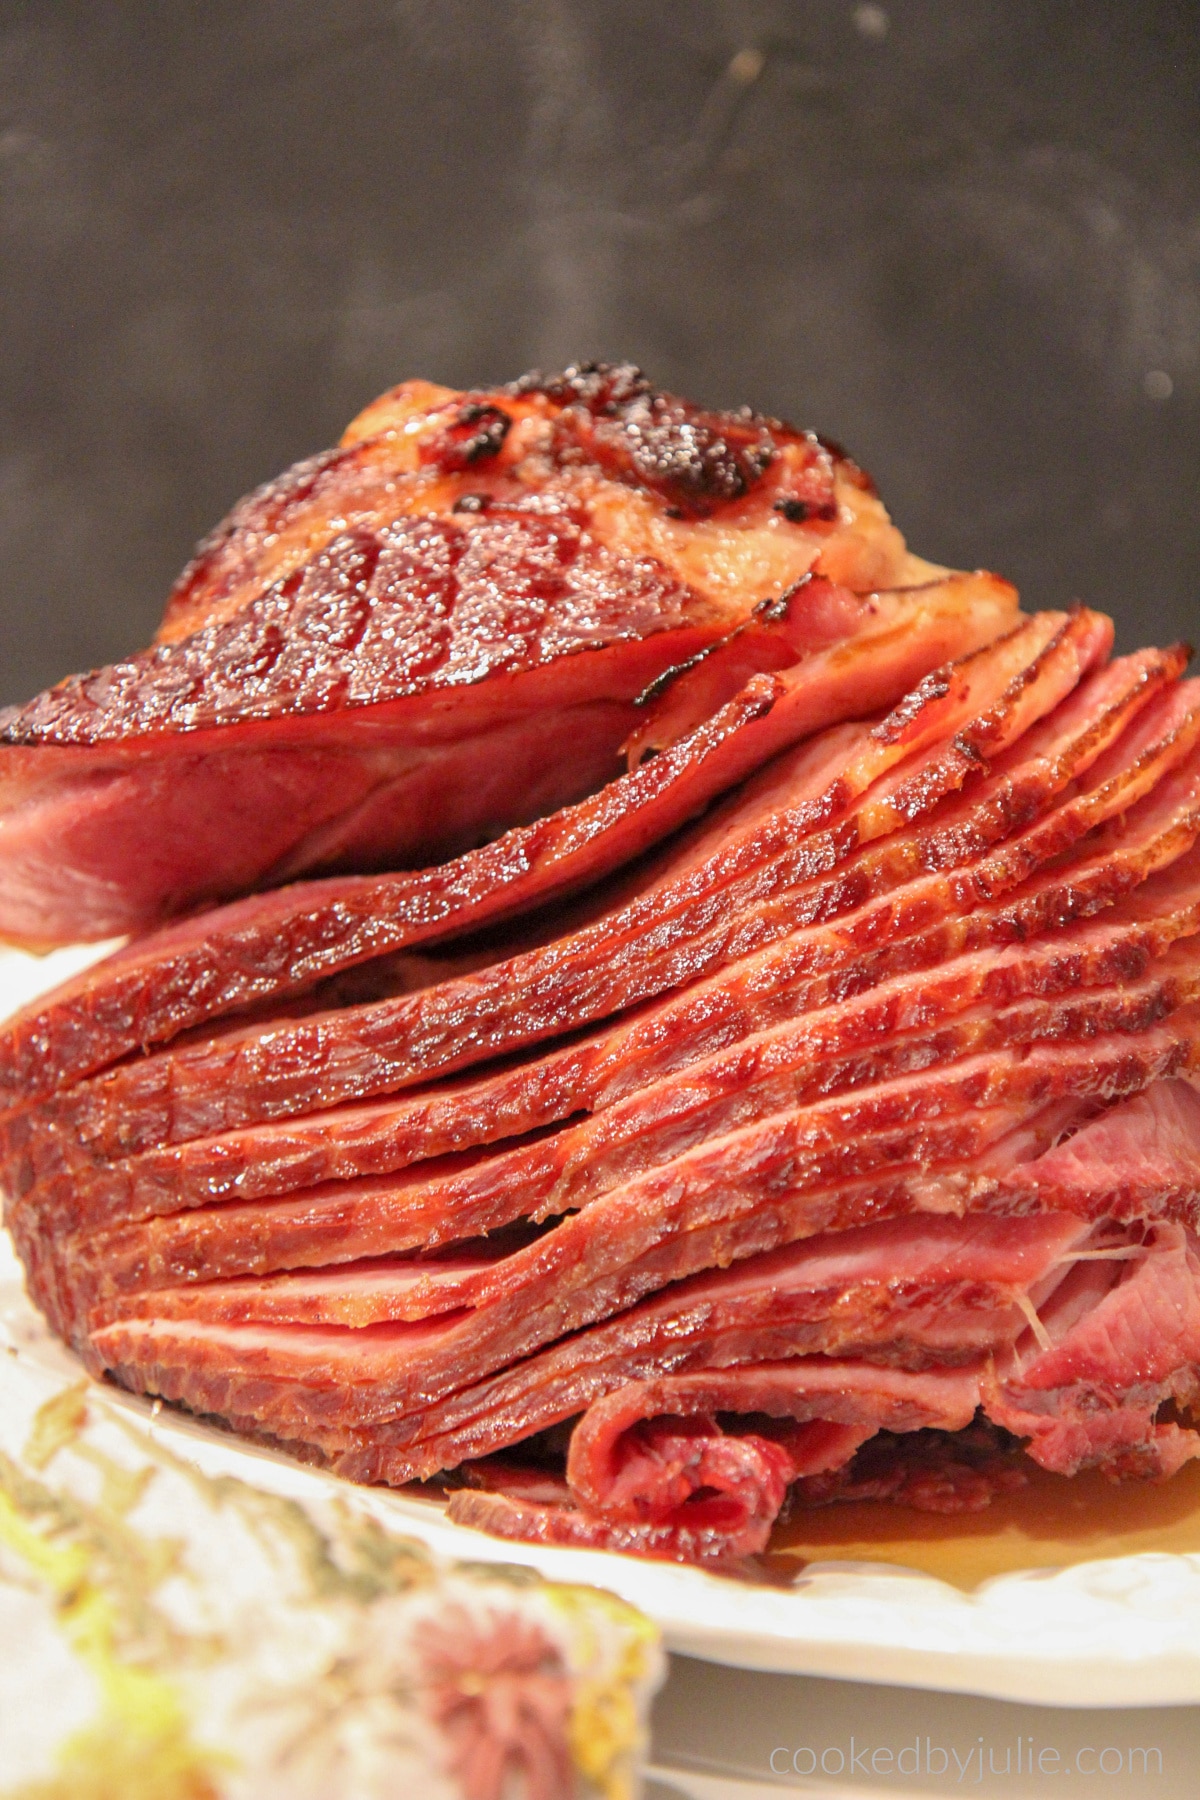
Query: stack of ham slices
x=784, y=1090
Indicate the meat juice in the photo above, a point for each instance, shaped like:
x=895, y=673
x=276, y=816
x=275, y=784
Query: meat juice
x=1053, y=1522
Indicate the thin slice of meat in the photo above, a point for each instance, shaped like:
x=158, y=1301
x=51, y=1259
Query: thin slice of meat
x=586, y=1267
x=284, y=942
x=903, y=1255
x=602, y=966
x=916, y=1291
x=91, y=1270
x=1090, y=1392
x=673, y=1483
x=965, y=1162
x=432, y=633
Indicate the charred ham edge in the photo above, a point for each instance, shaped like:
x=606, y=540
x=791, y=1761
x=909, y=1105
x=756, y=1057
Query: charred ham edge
x=588, y=1265
x=281, y=943
x=574, y=979
x=379, y=658
x=681, y=1028
x=779, y=629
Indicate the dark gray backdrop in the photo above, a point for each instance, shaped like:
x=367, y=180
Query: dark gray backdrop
x=961, y=235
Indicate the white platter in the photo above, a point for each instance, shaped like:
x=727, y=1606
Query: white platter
x=1124, y=1631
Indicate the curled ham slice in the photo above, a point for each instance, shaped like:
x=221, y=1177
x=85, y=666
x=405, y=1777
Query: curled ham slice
x=651, y=1469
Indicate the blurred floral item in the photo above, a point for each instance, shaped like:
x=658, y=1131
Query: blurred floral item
x=189, y=1637
x=500, y=1692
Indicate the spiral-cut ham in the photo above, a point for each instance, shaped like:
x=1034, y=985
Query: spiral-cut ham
x=809, y=1110
x=681, y=1028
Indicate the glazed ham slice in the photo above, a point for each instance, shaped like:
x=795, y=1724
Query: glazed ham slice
x=913, y=1290
x=431, y=633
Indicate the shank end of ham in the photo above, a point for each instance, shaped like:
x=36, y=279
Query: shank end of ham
x=644, y=1001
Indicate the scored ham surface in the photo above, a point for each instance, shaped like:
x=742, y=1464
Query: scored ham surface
x=433, y=632
x=810, y=1109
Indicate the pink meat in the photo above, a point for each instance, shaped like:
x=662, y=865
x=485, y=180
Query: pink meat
x=1140, y=1160
x=847, y=1087
x=1091, y=1396
x=345, y=1142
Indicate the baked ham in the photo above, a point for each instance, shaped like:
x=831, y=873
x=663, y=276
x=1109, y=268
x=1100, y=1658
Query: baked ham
x=753, y=1065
